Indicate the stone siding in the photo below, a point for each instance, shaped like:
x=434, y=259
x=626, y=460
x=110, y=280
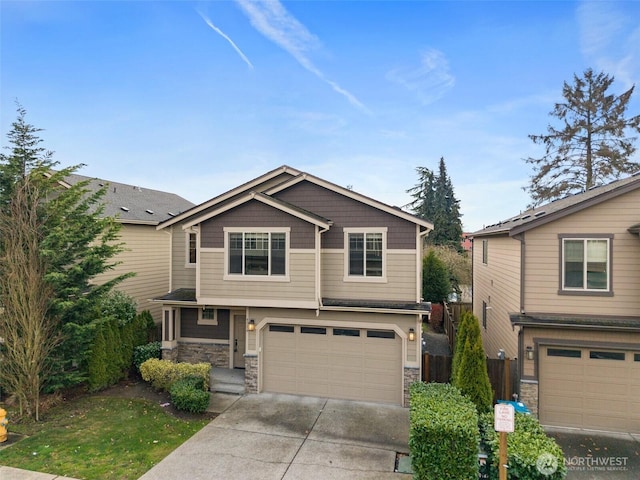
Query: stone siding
x=170, y=354
x=214, y=353
x=251, y=373
x=529, y=395
x=411, y=375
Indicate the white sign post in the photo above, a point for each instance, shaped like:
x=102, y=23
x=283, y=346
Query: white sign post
x=504, y=423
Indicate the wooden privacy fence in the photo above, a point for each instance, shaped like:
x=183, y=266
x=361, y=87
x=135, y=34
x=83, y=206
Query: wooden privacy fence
x=503, y=374
x=451, y=317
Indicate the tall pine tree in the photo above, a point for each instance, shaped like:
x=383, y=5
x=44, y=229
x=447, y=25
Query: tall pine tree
x=592, y=145
x=434, y=200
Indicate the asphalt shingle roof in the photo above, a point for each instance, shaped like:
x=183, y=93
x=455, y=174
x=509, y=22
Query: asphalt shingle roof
x=135, y=204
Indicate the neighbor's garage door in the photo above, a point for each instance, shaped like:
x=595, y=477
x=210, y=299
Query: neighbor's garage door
x=592, y=388
x=354, y=364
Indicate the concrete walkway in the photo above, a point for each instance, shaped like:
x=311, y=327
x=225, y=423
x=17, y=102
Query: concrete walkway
x=9, y=473
x=286, y=437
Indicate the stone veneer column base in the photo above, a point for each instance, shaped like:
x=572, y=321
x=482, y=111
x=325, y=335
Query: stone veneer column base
x=529, y=395
x=217, y=354
x=411, y=375
x=170, y=354
x=250, y=373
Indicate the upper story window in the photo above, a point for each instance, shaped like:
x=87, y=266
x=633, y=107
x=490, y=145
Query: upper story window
x=365, y=253
x=257, y=253
x=192, y=248
x=586, y=265
x=485, y=251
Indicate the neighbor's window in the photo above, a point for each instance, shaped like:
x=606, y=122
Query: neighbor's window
x=191, y=248
x=365, y=253
x=257, y=253
x=585, y=264
x=485, y=251
x=484, y=314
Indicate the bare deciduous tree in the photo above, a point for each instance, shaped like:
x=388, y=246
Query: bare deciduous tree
x=29, y=334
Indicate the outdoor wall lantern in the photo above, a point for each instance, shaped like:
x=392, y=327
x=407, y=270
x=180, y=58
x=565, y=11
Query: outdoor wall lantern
x=529, y=352
x=412, y=334
x=252, y=325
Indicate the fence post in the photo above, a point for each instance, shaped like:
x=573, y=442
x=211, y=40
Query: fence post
x=425, y=367
x=506, y=381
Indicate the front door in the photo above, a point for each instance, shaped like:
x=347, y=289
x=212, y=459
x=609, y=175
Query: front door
x=239, y=336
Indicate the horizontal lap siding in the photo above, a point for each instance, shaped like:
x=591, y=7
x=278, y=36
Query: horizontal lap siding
x=400, y=285
x=498, y=284
x=543, y=260
x=182, y=277
x=300, y=287
x=146, y=254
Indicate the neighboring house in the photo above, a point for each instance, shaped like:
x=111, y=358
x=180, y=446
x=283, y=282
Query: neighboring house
x=467, y=241
x=558, y=288
x=313, y=288
x=147, y=250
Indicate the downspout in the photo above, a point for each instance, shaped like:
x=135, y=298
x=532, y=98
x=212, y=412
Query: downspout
x=319, y=232
x=523, y=247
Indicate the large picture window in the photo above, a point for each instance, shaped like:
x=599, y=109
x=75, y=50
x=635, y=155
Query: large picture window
x=585, y=264
x=257, y=253
x=365, y=254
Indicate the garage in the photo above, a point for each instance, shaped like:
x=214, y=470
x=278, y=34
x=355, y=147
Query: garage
x=591, y=388
x=334, y=362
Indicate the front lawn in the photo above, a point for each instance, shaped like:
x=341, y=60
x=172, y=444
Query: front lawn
x=99, y=437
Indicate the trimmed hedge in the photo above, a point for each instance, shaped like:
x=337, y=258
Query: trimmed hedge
x=444, y=433
x=188, y=394
x=162, y=373
x=532, y=454
x=142, y=353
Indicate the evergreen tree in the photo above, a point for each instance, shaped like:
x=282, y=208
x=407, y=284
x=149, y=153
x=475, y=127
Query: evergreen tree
x=436, y=285
x=471, y=375
x=434, y=200
x=75, y=243
x=591, y=147
x=461, y=337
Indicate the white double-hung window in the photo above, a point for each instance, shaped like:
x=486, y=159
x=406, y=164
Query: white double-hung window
x=365, y=252
x=586, y=265
x=257, y=253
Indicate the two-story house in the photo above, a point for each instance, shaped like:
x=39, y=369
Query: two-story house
x=312, y=288
x=138, y=210
x=558, y=288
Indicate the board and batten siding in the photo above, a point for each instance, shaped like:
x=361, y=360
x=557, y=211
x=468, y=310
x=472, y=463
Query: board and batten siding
x=400, y=282
x=182, y=276
x=300, y=287
x=147, y=255
x=543, y=257
x=498, y=284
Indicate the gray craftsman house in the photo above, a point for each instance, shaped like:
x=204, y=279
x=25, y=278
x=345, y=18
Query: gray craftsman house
x=312, y=288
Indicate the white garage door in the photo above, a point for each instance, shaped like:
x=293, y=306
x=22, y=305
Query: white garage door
x=347, y=363
x=592, y=388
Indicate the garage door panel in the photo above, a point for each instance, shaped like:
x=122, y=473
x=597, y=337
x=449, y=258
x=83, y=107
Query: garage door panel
x=348, y=364
x=600, y=390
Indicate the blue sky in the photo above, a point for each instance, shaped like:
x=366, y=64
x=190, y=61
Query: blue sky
x=198, y=97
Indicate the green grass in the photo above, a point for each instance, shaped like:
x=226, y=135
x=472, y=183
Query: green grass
x=99, y=438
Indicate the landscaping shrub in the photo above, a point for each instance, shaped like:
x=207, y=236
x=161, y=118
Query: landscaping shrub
x=106, y=365
x=142, y=353
x=444, y=434
x=162, y=373
x=532, y=455
x=186, y=396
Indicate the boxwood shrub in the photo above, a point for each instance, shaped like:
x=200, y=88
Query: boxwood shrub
x=142, y=353
x=188, y=395
x=162, y=373
x=532, y=454
x=444, y=434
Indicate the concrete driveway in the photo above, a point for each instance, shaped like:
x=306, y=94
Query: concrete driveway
x=592, y=455
x=286, y=437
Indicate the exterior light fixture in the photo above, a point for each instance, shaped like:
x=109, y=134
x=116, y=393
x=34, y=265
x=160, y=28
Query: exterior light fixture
x=412, y=334
x=252, y=325
x=529, y=353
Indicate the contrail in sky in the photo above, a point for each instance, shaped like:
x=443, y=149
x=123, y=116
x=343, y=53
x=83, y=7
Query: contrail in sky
x=226, y=37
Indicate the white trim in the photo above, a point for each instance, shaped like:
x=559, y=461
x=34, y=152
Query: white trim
x=373, y=310
x=401, y=251
x=212, y=249
x=208, y=341
x=225, y=196
x=260, y=198
x=364, y=278
x=207, y=321
x=260, y=302
x=234, y=277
